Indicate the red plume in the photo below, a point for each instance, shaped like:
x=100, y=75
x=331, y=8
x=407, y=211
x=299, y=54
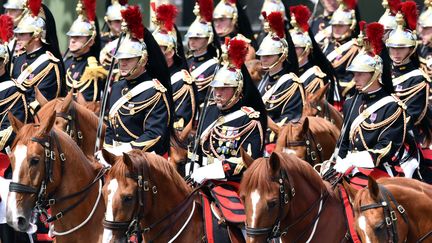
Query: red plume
x=237, y=51
x=276, y=22
x=227, y=41
x=206, y=9
x=123, y=2
x=133, y=18
x=264, y=14
x=409, y=10
x=35, y=6
x=301, y=14
x=90, y=9
x=394, y=6
x=6, y=30
x=350, y=4
x=231, y=1
x=167, y=13
x=375, y=33
x=362, y=24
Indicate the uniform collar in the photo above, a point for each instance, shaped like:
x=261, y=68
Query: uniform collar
x=375, y=95
x=277, y=75
x=234, y=108
x=143, y=77
x=404, y=68
x=36, y=53
x=305, y=67
x=174, y=69
x=5, y=77
x=202, y=58
x=82, y=57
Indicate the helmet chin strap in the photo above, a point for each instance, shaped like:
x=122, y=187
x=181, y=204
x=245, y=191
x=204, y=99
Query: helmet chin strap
x=87, y=42
x=371, y=81
x=133, y=70
x=304, y=54
x=281, y=58
x=234, y=99
x=408, y=56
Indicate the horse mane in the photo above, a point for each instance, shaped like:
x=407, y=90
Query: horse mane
x=259, y=176
x=155, y=163
x=25, y=134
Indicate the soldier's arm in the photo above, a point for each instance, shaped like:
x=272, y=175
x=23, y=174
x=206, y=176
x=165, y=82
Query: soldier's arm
x=254, y=143
x=50, y=85
x=416, y=105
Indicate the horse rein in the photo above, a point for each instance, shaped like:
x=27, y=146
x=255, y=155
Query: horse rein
x=312, y=147
x=133, y=227
x=72, y=128
x=285, y=197
x=43, y=200
x=390, y=214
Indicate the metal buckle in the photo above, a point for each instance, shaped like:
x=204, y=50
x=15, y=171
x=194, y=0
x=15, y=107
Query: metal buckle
x=154, y=189
x=276, y=228
x=286, y=198
x=319, y=147
x=80, y=136
x=293, y=192
x=393, y=215
x=47, y=153
x=52, y=155
x=313, y=155
x=281, y=189
x=51, y=202
x=140, y=184
x=59, y=215
x=388, y=221
x=62, y=157
x=401, y=209
x=146, y=186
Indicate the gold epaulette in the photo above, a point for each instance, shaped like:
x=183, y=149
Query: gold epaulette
x=52, y=57
x=187, y=78
x=250, y=112
x=318, y=72
x=425, y=75
x=158, y=86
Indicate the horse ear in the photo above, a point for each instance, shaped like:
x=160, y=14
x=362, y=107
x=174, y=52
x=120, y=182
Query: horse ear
x=109, y=157
x=373, y=188
x=15, y=122
x=40, y=98
x=186, y=130
x=305, y=125
x=80, y=98
x=319, y=94
x=274, y=161
x=352, y=192
x=247, y=159
x=128, y=161
x=47, y=125
x=67, y=102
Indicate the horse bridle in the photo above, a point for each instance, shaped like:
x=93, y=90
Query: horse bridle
x=390, y=214
x=133, y=227
x=72, y=128
x=49, y=143
x=325, y=113
x=313, y=149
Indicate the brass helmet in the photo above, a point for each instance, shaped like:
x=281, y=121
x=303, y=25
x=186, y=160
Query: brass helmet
x=6, y=34
x=272, y=6
x=230, y=75
x=202, y=26
x=368, y=59
x=16, y=4
x=133, y=45
x=114, y=10
x=226, y=9
x=345, y=14
x=33, y=22
x=164, y=20
x=401, y=36
x=425, y=19
x=274, y=43
x=388, y=19
x=300, y=15
x=84, y=25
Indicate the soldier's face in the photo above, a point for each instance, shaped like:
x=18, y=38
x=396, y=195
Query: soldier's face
x=77, y=42
x=22, y=40
x=339, y=30
x=398, y=55
x=14, y=13
x=197, y=43
x=361, y=79
x=330, y=5
x=223, y=95
x=268, y=60
x=115, y=26
x=426, y=34
x=223, y=26
x=127, y=64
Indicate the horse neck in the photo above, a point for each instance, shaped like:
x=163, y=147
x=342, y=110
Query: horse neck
x=88, y=127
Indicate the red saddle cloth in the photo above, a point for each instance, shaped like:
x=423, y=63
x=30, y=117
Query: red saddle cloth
x=4, y=163
x=229, y=203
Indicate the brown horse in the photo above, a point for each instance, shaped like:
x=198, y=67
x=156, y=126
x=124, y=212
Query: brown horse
x=74, y=119
x=50, y=170
x=94, y=106
x=285, y=197
x=394, y=210
x=312, y=139
x=144, y=191
x=317, y=105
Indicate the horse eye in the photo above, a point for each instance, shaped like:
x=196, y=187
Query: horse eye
x=127, y=198
x=271, y=204
x=34, y=161
x=380, y=226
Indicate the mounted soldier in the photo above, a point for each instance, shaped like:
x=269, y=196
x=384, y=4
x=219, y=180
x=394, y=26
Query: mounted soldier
x=388, y=18
x=140, y=114
x=268, y=7
x=320, y=27
x=204, y=48
x=42, y=65
x=314, y=69
x=235, y=120
x=281, y=90
x=15, y=9
x=375, y=119
x=341, y=47
x=425, y=48
x=183, y=87
x=83, y=72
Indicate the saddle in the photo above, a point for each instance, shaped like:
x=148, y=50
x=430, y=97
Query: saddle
x=224, y=214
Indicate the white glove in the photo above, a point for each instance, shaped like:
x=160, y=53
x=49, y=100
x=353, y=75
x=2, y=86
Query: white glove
x=120, y=149
x=211, y=171
x=342, y=165
x=409, y=167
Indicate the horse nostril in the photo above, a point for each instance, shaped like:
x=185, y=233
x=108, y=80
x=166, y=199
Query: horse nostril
x=22, y=222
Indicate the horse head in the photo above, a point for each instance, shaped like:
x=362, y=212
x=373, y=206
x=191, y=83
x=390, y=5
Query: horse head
x=36, y=169
x=292, y=138
x=314, y=101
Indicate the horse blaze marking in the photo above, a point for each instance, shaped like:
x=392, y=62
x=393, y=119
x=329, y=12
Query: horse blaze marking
x=20, y=154
x=112, y=189
x=362, y=225
x=255, y=197
x=289, y=151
